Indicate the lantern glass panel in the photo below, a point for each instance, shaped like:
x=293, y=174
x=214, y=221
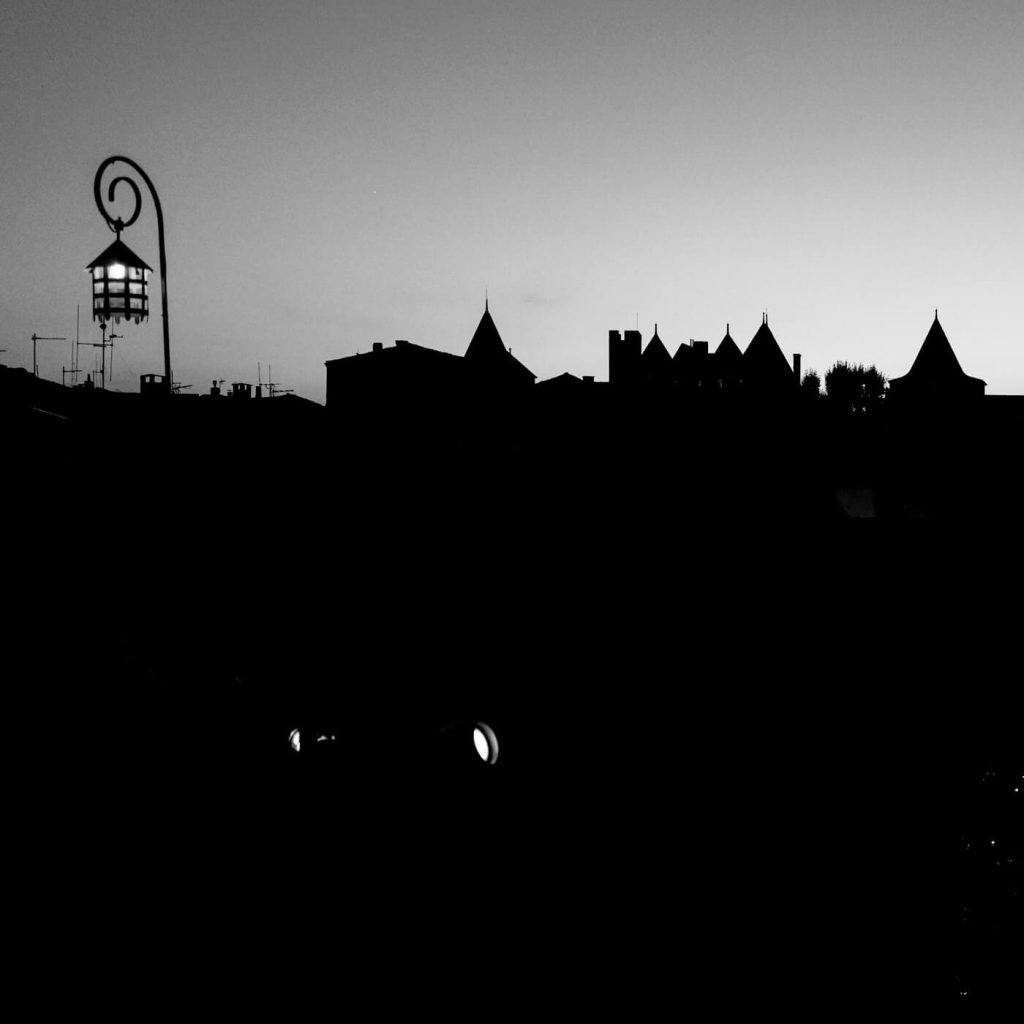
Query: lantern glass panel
x=135, y=273
x=135, y=289
x=97, y=273
x=116, y=287
x=136, y=303
x=116, y=271
x=97, y=288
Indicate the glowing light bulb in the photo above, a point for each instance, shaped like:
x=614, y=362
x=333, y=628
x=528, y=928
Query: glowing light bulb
x=293, y=739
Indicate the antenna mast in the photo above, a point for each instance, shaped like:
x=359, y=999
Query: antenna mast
x=275, y=389
x=103, y=345
x=35, y=338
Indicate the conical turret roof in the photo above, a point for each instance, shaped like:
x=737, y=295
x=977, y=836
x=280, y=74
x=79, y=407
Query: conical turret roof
x=936, y=357
x=486, y=342
x=936, y=368
x=728, y=352
x=763, y=361
x=487, y=353
x=655, y=360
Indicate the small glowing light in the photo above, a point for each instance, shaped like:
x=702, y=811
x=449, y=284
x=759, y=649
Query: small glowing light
x=293, y=739
x=486, y=742
x=480, y=742
x=115, y=271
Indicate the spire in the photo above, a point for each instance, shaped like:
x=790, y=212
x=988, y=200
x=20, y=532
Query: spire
x=655, y=360
x=936, y=358
x=763, y=359
x=489, y=354
x=485, y=298
x=728, y=352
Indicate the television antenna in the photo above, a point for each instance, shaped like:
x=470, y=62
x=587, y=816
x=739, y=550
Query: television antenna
x=275, y=389
x=35, y=338
x=74, y=371
x=103, y=345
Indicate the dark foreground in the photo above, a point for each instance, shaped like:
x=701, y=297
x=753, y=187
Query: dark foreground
x=739, y=765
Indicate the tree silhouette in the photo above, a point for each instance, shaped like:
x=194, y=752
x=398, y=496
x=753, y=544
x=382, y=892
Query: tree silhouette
x=855, y=388
x=810, y=386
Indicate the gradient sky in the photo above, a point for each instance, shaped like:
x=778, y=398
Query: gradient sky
x=334, y=174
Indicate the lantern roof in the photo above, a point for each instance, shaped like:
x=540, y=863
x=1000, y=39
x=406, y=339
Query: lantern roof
x=118, y=252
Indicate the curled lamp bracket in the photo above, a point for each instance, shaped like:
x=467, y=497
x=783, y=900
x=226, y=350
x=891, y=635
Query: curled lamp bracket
x=116, y=224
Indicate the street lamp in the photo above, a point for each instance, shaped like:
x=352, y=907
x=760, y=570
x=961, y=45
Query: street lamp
x=120, y=285
x=120, y=279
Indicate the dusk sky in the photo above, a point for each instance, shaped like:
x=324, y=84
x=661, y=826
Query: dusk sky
x=335, y=174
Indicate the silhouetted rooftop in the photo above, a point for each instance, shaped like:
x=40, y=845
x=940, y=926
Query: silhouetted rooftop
x=683, y=356
x=404, y=351
x=487, y=350
x=655, y=360
x=763, y=359
x=936, y=359
x=562, y=380
x=728, y=352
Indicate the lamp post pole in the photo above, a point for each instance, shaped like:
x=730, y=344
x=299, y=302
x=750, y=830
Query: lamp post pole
x=117, y=225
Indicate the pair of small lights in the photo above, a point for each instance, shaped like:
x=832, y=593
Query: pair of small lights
x=295, y=740
x=484, y=742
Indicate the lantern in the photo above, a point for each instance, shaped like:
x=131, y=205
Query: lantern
x=120, y=285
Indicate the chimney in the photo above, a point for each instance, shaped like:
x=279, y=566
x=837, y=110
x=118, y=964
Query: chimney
x=378, y=346
x=259, y=390
x=796, y=366
x=214, y=390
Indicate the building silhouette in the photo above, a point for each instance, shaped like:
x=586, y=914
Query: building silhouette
x=936, y=376
x=416, y=374
x=761, y=370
